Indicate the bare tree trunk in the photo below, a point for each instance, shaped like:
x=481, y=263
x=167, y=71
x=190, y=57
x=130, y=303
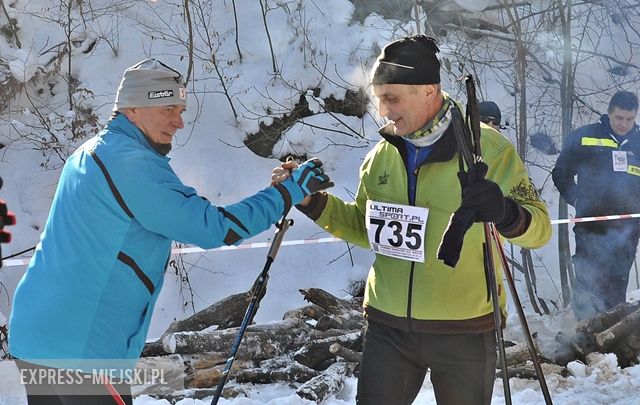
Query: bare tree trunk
x=235, y=18
x=566, y=99
x=67, y=31
x=187, y=14
x=12, y=25
x=263, y=7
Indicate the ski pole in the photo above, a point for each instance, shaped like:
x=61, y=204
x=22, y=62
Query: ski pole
x=473, y=115
x=258, y=287
x=521, y=316
x=490, y=234
x=497, y=314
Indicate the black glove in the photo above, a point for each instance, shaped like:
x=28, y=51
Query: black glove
x=306, y=179
x=482, y=201
x=451, y=243
x=485, y=199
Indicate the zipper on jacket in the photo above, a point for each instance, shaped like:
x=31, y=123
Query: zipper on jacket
x=413, y=264
x=485, y=259
x=410, y=295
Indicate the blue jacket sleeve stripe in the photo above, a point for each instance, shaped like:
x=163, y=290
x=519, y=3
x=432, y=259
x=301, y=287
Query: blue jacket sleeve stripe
x=134, y=266
x=233, y=219
x=112, y=186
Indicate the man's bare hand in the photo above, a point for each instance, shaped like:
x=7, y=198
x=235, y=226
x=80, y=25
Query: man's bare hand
x=282, y=172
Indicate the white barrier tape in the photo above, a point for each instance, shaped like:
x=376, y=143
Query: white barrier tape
x=593, y=219
x=195, y=249
x=255, y=245
x=15, y=262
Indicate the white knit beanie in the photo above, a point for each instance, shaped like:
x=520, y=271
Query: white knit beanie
x=150, y=83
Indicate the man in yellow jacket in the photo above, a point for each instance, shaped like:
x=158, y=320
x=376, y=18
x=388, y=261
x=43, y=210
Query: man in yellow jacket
x=422, y=314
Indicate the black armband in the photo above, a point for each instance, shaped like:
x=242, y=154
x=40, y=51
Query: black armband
x=516, y=219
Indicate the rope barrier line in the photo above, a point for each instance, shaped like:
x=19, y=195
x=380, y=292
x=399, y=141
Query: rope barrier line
x=257, y=245
x=254, y=245
x=195, y=249
x=594, y=219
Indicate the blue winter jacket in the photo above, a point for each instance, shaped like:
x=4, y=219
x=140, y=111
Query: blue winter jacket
x=599, y=190
x=91, y=286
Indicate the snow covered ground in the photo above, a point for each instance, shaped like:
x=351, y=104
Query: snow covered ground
x=602, y=382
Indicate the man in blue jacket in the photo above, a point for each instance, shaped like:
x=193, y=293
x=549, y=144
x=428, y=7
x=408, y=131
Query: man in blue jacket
x=605, y=156
x=87, y=297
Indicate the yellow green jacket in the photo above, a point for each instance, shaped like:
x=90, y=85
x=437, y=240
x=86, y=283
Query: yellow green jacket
x=432, y=297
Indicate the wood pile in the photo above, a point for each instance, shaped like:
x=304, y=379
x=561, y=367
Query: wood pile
x=615, y=331
x=315, y=347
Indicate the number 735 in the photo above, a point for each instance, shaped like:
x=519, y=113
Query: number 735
x=411, y=233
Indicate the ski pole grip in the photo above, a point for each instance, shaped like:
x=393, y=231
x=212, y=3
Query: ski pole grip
x=283, y=226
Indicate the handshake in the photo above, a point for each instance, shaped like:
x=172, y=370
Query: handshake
x=297, y=183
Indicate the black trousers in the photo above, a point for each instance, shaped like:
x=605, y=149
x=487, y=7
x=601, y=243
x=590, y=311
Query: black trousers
x=604, y=254
x=50, y=386
x=394, y=365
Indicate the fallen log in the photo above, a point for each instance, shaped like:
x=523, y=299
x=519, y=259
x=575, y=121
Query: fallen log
x=315, y=352
x=310, y=311
x=202, y=393
x=610, y=331
x=153, y=349
x=610, y=337
x=266, y=375
x=171, y=366
x=327, y=383
x=349, y=355
x=329, y=302
x=159, y=375
x=258, y=339
x=527, y=371
x=344, y=321
x=607, y=318
x=226, y=313
x=209, y=377
x=334, y=313
x=260, y=342
x=517, y=354
x=206, y=359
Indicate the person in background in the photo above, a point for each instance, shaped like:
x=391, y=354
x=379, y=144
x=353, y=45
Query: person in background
x=490, y=114
x=605, y=157
x=87, y=297
x=421, y=314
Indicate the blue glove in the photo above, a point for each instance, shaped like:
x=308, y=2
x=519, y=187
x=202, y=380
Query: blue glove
x=306, y=179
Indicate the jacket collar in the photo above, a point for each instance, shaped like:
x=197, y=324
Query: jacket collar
x=443, y=150
x=121, y=124
x=606, y=124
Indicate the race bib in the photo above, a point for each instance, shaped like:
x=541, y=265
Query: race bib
x=619, y=160
x=397, y=230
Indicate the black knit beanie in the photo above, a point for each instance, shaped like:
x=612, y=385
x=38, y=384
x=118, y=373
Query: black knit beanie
x=410, y=60
x=490, y=110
